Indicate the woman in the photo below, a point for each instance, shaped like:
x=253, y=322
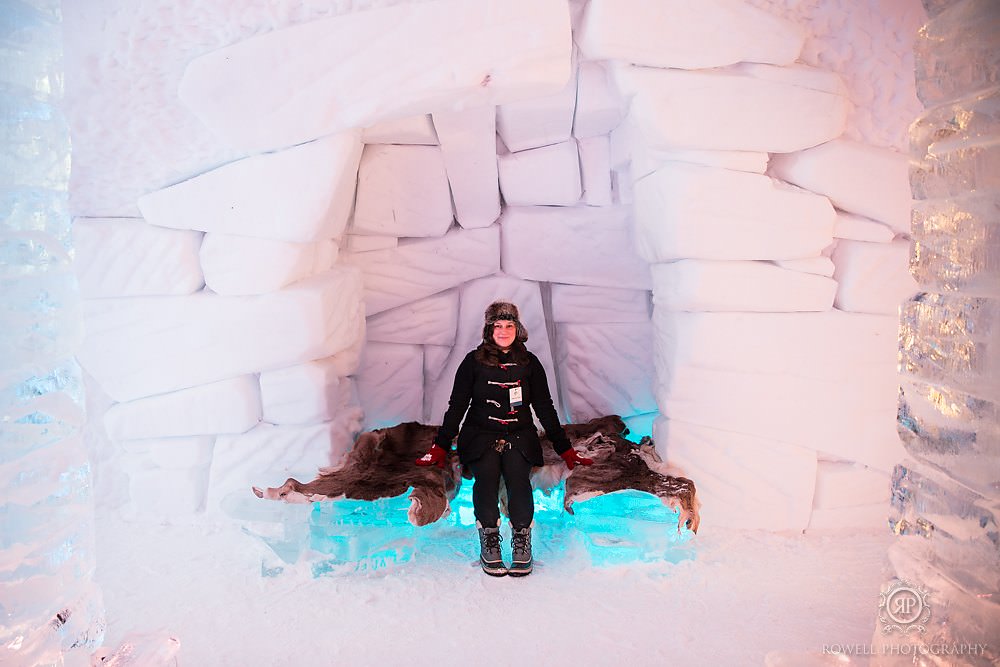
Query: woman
x=496, y=383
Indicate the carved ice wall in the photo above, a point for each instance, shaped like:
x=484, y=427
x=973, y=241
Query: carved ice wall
x=52, y=611
x=946, y=493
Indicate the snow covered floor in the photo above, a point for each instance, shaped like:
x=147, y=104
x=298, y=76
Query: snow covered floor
x=741, y=596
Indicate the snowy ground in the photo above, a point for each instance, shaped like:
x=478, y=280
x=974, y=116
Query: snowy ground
x=741, y=596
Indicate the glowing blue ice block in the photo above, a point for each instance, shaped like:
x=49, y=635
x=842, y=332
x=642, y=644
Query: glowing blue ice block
x=629, y=526
x=358, y=535
x=350, y=536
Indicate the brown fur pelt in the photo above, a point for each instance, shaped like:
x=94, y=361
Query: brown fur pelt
x=620, y=464
x=381, y=465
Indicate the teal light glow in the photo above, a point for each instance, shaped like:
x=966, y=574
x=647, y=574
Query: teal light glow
x=640, y=426
x=355, y=536
x=629, y=526
x=358, y=535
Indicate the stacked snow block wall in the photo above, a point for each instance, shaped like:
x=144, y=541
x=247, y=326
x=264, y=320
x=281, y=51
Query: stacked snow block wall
x=685, y=207
x=778, y=256
x=946, y=494
x=238, y=327
x=222, y=325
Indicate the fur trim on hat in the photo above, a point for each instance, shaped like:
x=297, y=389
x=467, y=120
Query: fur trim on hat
x=503, y=310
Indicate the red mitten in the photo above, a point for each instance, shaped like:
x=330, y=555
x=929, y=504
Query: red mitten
x=572, y=459
x=435, y=457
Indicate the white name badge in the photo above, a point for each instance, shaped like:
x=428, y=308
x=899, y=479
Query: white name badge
x=515, y=397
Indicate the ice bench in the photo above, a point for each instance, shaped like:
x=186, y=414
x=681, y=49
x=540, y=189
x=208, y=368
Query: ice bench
x=378, y=509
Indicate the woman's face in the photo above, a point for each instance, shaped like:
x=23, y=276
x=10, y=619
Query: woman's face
x=504, y=333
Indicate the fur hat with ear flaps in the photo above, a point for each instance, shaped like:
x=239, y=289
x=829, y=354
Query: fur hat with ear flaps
x=503, y=310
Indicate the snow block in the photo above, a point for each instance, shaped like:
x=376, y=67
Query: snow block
x=572, y=303
x=475, y=296
x=402, y=191
x=873, y=277
x=857, y=228
x=645, y=161
x=301, y=194
x=858, y=178
x=780, y=109
x=348, y=361
x=852, y=421
x=538, y=121
x=308, y=393
x=170, y=453
x=744, y=481
x=820, y=266
x=308, y=83
x=468, y=144
x=595, y=170
x=578, y=246
x=833, y=345
x=621, y=187
x=842, y=484
x=708, y=285
x=435, y=359
x=547, y=176
x=144, y=346
x=120, y=257
x=167, y=477
x=236, y=265
x=629, y=147
x=389, y=384
x=414, y=130
x=599, y=108
x=623, y=142
x=686, y=211
x=675, y=33
x=605, y=369
x=396, y=276
x=871, y=517
x=267, y=455
x=229, y=406
x=361, y=243
x=429, y=321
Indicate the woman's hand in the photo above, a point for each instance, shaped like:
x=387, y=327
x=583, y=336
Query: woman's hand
x=435, y=457
x=573, y=459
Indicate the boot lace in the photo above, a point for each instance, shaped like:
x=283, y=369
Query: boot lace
x=521, y=542
x=491, y=540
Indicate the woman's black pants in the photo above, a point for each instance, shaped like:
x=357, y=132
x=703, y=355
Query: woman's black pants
x=516, y=473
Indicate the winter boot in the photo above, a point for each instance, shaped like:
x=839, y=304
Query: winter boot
x=489, y=550
x=520, y=541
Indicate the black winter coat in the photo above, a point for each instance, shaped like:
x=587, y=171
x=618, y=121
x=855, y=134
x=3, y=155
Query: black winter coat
x=484, y=390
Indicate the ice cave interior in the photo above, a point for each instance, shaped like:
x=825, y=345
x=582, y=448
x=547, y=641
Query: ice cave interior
x=763, y=232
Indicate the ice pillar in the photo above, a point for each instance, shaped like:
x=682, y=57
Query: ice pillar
x=50, y=608
x=946, y=496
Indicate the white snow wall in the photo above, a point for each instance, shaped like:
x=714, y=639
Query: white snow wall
x=261, y=256
x=51, y=610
